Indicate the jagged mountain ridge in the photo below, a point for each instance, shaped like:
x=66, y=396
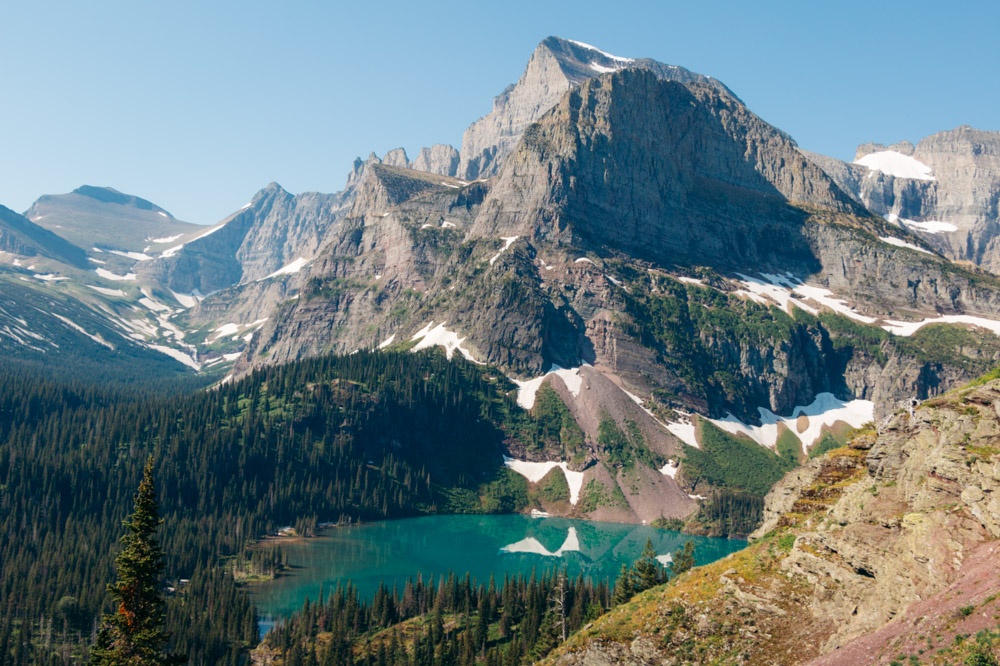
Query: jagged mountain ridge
x=537, y=267
x=945, y=189
x=725, y=210
x=270, y=232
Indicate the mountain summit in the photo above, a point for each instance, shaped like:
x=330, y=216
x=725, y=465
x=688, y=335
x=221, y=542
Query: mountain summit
x=556, y=66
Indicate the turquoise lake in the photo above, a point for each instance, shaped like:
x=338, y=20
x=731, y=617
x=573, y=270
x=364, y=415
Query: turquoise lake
x=394, y=550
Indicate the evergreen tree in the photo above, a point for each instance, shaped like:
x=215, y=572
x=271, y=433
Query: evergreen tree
x=648, y=571
x=134, y=634
x=683, y=559
x=624, y=586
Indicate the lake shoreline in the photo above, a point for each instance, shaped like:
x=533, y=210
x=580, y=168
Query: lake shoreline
x=390, y=552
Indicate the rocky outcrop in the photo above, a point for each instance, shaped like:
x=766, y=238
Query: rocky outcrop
x=661, y=170
x=439, y=158
x=888, y=546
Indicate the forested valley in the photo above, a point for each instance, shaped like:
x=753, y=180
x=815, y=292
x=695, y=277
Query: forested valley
x=334, y=439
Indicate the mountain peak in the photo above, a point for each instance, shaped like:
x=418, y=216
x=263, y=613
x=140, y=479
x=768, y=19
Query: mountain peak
x=580, y=60
x=270, y=190
x=91, y=216
x=556, y=66
x=111, y=195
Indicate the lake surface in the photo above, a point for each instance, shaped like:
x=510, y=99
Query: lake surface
x=395, y=550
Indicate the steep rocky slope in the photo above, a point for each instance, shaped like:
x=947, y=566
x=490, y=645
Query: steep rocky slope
x=271, y=232
x=945, y=189
x=875, y=552
x=624, y=232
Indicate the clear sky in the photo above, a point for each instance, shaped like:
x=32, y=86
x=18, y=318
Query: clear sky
x=197, y=105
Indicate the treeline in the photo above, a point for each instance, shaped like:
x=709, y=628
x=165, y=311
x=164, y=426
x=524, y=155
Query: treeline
x=457, y=620
x=359, y=437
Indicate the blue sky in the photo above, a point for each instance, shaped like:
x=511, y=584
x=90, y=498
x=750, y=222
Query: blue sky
x=197, y=105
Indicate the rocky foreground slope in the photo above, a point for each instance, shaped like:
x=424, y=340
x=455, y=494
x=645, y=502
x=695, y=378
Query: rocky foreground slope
x=885, y=550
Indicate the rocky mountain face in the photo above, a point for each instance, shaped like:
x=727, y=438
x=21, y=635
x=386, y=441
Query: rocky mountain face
x=945, y=189
x=883, y=548
x=584, y=206
x=271, y=232
x=660, y=241
x=105, y=218
x=556, y=66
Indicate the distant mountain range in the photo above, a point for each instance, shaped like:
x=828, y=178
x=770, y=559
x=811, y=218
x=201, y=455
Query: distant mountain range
x=623, y=231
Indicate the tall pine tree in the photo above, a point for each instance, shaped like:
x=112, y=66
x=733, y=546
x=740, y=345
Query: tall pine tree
x=133, y=635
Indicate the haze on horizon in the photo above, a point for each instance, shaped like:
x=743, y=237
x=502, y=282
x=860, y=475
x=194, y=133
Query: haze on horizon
x=196, y=108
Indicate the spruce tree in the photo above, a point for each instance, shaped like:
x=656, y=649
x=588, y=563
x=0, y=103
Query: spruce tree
x=133, y=635
x=648, y=571
x=624, y=586
x=683, y=559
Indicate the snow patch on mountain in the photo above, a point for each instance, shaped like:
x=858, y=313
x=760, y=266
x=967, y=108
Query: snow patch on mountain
x=896, y=164
x=824, y=411
x=76, y=327
x=603, y=53
x=232, y=329
x=670, y=469
x=138, y=256
x=293, y=267
x=439, y=336
x=602, y=69
x=930, y=226
x=528, y=388
x=536, y=471
x=187, y=300
x=684, y=430
x=177, y=355
x=908, y=328
x=108, y=275
x=898, y=242
x=107, y=292
x=169, y=252
x=786, y=290
x=507, y=242
x=168, y=239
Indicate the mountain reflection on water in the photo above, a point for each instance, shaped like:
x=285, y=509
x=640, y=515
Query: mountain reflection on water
x=395, y=550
